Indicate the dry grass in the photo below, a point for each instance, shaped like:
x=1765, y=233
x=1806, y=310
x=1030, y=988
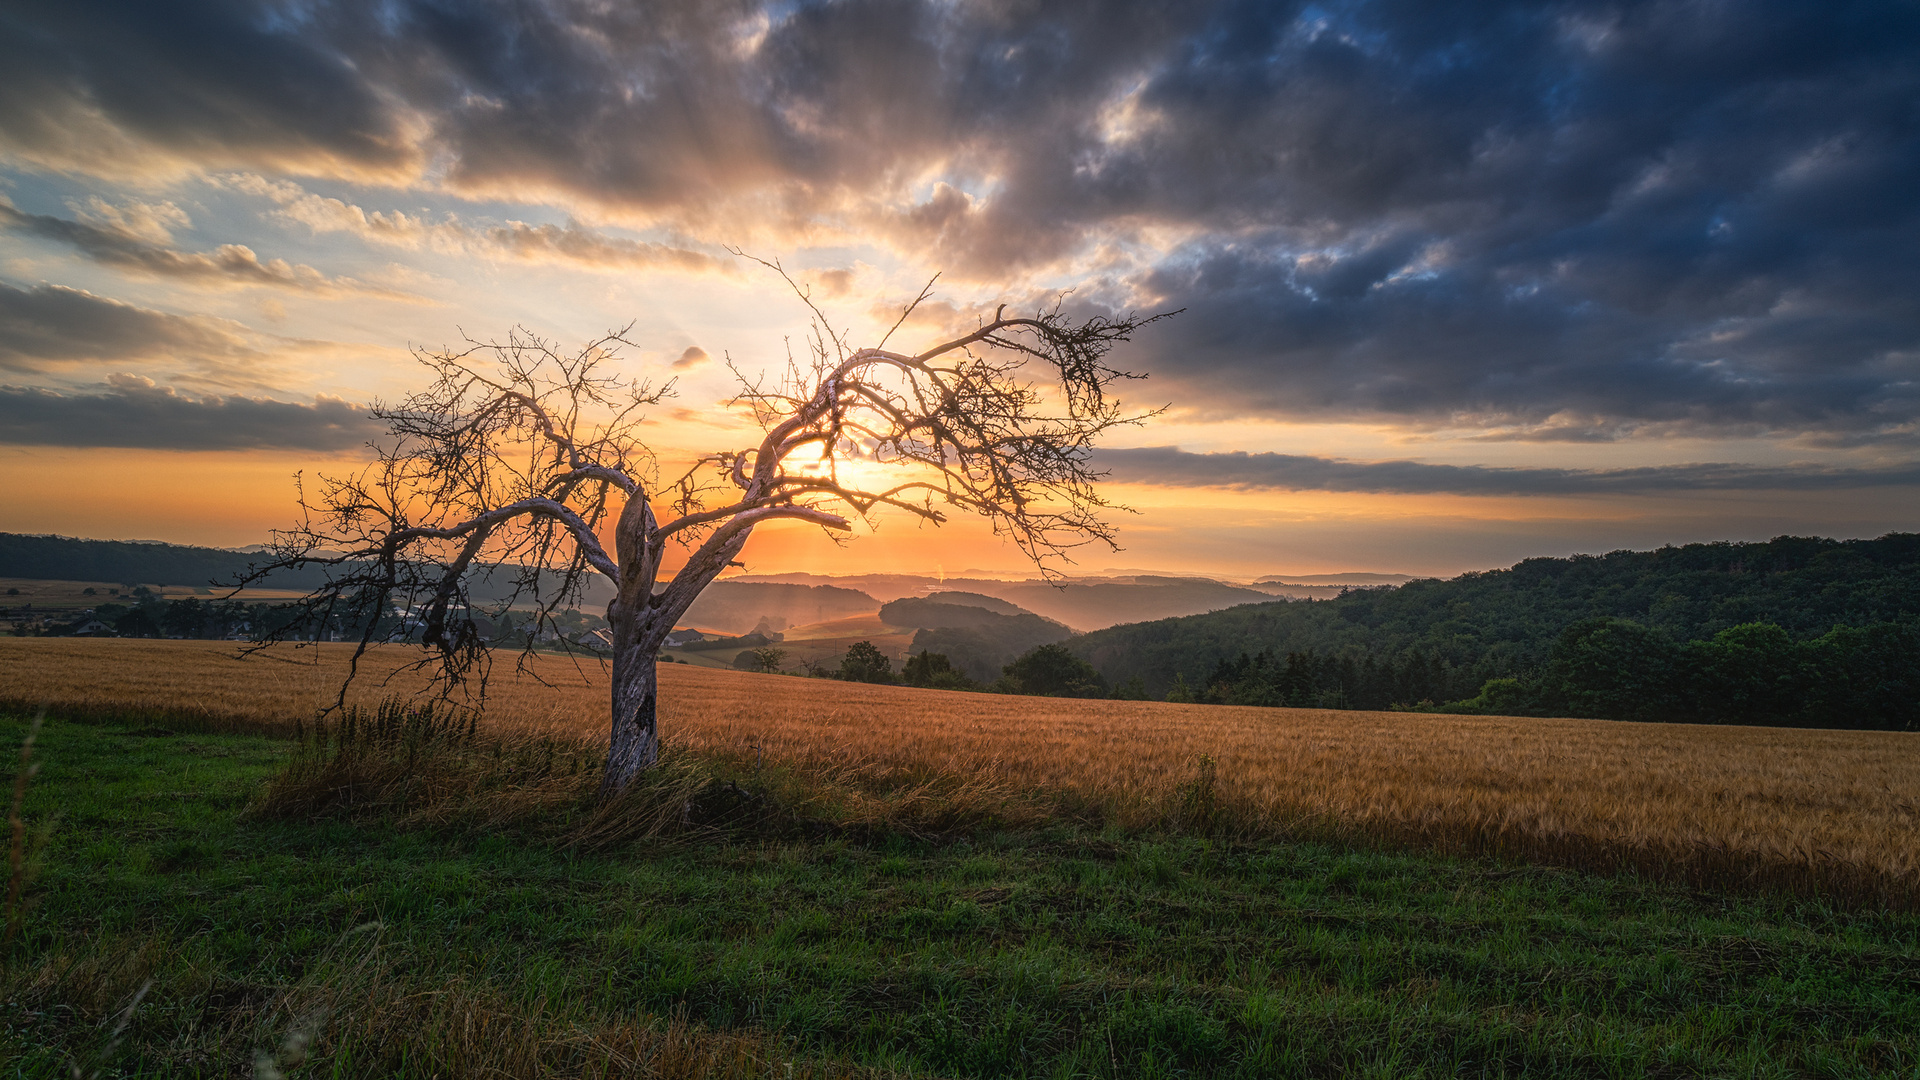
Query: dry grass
x=424, y=765
x=1833, y=813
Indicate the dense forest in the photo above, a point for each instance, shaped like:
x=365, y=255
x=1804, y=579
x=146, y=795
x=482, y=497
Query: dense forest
x=1434, y=642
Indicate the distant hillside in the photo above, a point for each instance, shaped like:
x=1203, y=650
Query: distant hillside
x=977, y=641
x=956, y=598
x=1355, y=578
x=942, y=611
x=882, y=587
x=1084, y=604
x=62, y=558
x=737, y=607
x=1442, y=639
x=1102, y=604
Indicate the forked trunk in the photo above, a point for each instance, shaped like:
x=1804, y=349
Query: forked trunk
x=641, y=622
x=635, y=742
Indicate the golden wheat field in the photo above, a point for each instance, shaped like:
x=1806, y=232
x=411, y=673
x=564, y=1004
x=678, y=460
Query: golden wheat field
x=1833, y=812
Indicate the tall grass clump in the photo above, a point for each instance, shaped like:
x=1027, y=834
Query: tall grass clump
x=431, y=764
x=427, y=764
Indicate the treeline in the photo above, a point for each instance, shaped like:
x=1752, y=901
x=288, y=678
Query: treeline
x=1755, y=673
x=1617, y=669
x=148, y=615
x=1349, y=679
x=1441, y=641
x=62, y=558
x=1044, y=671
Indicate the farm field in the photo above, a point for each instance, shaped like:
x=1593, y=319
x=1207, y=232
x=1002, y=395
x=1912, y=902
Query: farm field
x=195, y=914
x=72, y=595
x=1827, y=813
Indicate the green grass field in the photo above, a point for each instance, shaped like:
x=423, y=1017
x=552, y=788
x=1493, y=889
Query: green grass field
x=1060, y=950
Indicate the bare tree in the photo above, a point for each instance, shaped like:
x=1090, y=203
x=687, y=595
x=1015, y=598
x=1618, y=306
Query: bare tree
x=519, y=459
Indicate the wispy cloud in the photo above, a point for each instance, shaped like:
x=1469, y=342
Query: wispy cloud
x=137, y=242
x=570, y=244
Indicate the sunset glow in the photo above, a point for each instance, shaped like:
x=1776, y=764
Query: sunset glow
x=1438, y=316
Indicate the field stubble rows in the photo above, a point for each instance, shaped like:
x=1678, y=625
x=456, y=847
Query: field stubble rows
x=1833, y=813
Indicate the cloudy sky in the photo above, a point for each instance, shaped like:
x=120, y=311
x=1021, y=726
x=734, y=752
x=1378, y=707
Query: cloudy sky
x=1462, y=283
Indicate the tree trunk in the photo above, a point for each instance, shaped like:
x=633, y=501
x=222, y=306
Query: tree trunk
x=635, y=740
x=641, y=622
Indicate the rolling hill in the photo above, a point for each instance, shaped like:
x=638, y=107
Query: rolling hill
x=1443, y=639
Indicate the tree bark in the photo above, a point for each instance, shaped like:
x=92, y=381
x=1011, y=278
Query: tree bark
x=635, y=740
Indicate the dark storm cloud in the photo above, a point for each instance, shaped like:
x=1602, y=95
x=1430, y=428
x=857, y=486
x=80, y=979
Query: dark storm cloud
x=1568, y=216
x=49, y=325
x=1173, y=467
x=136, y=413
x=84, y=83
x=1693, y=216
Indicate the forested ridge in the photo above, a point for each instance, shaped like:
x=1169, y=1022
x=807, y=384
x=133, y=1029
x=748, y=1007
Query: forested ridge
x=1439, y=641
x=63, y=558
